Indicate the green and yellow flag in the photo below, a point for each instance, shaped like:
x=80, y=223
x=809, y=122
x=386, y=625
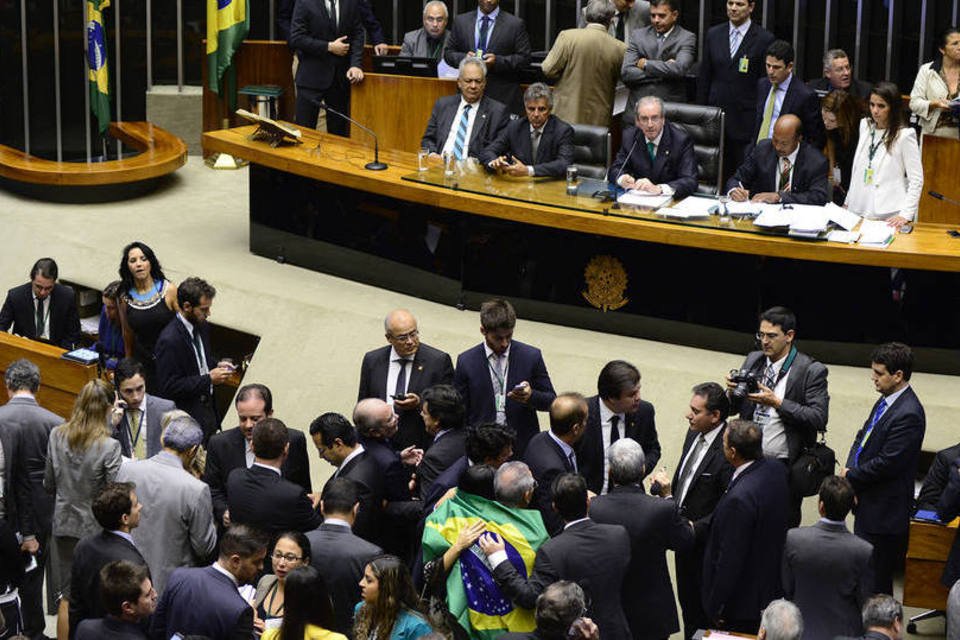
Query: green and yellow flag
x=98, y=76
x=228, y=22
x=473, y=596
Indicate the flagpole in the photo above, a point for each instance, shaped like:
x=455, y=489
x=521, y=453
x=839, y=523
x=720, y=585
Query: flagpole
x=119, y=72
x=56, y=78
x=86, y=81
x=26, y=82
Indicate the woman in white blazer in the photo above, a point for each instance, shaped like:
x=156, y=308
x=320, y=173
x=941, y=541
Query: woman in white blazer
x=937, y=84
x=887, y=176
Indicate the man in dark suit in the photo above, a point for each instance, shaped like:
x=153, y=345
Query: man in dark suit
x=139, y=429
x=732, y=62
x=128, y=598
x=783, y=169
x=259, y=496
x=655, y=156
x=741, y=565
x=444, y=415
x=948, y=508
x=500, y=39
x=882, y=462
x=503, y=380
x=700, y=480
x=337, y=553
x=336, y=442
x=559, y=612
x=478, y=116
x=837, y=75
x=328, y=38
x=376, y=425
x=205, y=601
x=595, y=556
x=882, y=619
x=233, y=449
x=654, y=526
x=938, y=476
x=827, y=571
x=539, y=145
x=42, y=309
x=399, y=372
x=28, y=426
x=780, y=93
x=659, y=56
x=117, y=510
x=616, y=412
x=185, y=362
x=792, y=404
x=550, y=453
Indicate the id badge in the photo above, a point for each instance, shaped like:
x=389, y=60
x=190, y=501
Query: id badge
x=868, y=176
x=837, y=177
x=744, y=64
x=501, y=402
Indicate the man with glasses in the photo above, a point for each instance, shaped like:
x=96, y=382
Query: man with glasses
x=430, y=40
x=791, y=404
x=42, y=309
x=399, y=372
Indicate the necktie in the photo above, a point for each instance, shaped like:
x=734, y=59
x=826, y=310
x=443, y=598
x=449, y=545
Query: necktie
x=614, y=429
x=877, y=414
x=198, y=347
x=332, y=5
x=138, y=440
x=652, y=150
x=401, y=389
x=535, y=143
x=734, y=42
x=461, y=139
x=784, y=182
x=40, y=321
x=572, y=459
x=768, y=115
x=690, y=464
x=621, y=27
x=484, y=32
x=660, y=40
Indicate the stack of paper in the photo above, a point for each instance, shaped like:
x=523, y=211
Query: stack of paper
x=691, y=207
x=876, y=233
x=808, y=218
x=643, y=199
x=774, y=216
x=744, y=208
x=843, y=217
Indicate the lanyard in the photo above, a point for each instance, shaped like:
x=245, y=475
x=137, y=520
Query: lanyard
x=873, y=147
x=500, y=378
x=786, y=365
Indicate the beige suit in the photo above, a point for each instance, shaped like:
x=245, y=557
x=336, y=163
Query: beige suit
x=588, y=62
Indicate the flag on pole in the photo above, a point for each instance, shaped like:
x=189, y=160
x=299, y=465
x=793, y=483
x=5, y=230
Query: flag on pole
x=228, y=22
x=473, y=596
x=98, y=76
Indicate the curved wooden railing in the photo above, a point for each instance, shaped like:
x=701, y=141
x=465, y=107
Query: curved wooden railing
x=161, y=153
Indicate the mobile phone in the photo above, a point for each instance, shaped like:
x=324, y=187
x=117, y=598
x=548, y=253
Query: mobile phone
x=953, y=233
x=397, y=397
x=517, y=388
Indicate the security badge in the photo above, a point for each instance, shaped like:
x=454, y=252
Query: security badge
x=868, y=176
x=744, y=64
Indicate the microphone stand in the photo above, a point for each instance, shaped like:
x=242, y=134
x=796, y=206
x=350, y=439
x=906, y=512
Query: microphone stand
x=939, y=196
x=376, y=165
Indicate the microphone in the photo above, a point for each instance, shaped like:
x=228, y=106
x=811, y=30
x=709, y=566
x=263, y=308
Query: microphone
x=376, y=165
x=943, y=198
x=611, y=193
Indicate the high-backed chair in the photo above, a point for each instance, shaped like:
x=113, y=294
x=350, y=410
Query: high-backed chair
x=591, y=150
x=705, y=126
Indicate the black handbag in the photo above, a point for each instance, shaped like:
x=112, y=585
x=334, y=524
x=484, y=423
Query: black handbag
x=815, y=463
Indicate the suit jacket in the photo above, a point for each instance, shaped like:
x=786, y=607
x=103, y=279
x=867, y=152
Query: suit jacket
x=760, y=173
x=595, y=556
x=828, y=573
x=365, y=471
x=284, y=16
x=312, y=29
x=12, y=485
x=473, y=381
x=659, y=77
x=20, y=311
x=176, y=525
x=417, y=44
x=109, y=628
x=806, y=403
x=721, y=83
x=883, y=476
x=340, y=557
x=227, y=451
x=396, y=476
x=29, y=424
x=438, y=458
x=709, y=483
x=587, y=61
x=156, y=407
x=640, y=425
x=509, y=41
x=178, y=376
x=546, y=461
x=203, y=602
x=801, y=102
x=654, y=526
x=859, y=88
x=430, y=366
x=741, y=565
x=938, y=476
x=91, y=554
x=675, y=163
x=490, y=120
x=443, y=483
x=554, y=154
x=948, y=507
x=260, y=498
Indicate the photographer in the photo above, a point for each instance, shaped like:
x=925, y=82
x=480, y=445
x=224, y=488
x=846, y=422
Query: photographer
x=783, y=391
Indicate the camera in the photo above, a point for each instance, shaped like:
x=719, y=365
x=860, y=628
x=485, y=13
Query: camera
x=747, y=381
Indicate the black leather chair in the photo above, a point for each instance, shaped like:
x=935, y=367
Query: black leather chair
x=705, y=126
x=591, y=150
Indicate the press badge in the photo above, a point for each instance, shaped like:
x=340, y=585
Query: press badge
x=501, y=402
x=744, y=64
x=868, y=175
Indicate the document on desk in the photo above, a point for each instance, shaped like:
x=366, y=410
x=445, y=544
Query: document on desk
x=876, y=233
x=643, y=199
x=745, y=208
x=843, y=217
x=806, y=217
x=773, y=215
x=692, y=207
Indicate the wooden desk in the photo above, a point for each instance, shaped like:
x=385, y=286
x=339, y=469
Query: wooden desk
x=60, y=380
x=926, y=557
x=941, y=159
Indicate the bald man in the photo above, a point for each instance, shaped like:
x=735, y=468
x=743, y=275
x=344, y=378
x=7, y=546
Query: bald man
x=399, y=372
x=782, y=169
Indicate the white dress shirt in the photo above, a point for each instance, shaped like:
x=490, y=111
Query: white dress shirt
x=606, y=426
x=393, y=373
x=452, y=134
x=709, y=437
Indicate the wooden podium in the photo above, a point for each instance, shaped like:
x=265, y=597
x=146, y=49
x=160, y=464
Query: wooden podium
x=926, y=557
x=60, y=380
x=941, y=157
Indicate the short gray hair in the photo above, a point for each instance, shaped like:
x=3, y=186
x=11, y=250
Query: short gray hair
x=599, y=12
x=645, y=100
x=437, y=3
x=881, y=610
x=475, y=61
x=511, y=482
x=22, y=375
x=626, y=460
x=782, y=621
x=558, y=606
x=181, y=433
x=537, y=91
x=833, y=54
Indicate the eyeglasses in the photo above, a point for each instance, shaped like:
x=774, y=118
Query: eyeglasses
x=406, y=337
x=289, y=557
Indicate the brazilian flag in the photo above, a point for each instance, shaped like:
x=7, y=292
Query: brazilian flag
x=98, y=76
x=228, y=22
x=472, y=595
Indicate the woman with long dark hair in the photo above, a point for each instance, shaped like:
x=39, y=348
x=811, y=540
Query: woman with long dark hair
x=841, y=113
x=307, y=611
x=390, y=608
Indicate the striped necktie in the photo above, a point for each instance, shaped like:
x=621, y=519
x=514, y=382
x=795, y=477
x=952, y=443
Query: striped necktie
x=461, y=139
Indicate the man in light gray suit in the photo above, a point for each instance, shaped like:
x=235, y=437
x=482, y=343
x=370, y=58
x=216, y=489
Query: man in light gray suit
x=430, y=40
x=139, y=429
x=31, y=425
x=176, y=526
x=827, y=571
x=658, y=57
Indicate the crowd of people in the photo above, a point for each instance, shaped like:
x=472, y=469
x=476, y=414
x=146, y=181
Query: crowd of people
x=448, y=511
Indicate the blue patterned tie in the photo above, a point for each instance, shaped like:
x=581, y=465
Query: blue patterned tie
x=877, y=414
x=461, y=139
x=484, y=31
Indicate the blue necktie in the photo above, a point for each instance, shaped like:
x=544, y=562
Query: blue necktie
x=877, y=414
x=484, y=31
x=461, y=139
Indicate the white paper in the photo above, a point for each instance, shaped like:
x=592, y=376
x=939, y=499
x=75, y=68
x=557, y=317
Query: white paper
x=643, y=199
x=744, y=208
x=692, y=207
x=845, y=237
x=875, y=233
x=805, y=217
x=774, y=216
x=843, y=217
